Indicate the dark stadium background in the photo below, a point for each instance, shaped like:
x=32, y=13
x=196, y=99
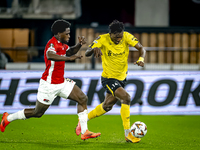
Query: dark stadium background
x=184, y=13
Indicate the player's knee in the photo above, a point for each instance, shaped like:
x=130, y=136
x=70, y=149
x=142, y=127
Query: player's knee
x=126, y=99
x=107, y=107
x=123, y=96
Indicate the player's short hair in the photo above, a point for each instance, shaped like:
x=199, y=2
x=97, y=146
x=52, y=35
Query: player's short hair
x=116, y=27
x=59, y=26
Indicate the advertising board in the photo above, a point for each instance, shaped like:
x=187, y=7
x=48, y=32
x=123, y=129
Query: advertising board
x=161, y=92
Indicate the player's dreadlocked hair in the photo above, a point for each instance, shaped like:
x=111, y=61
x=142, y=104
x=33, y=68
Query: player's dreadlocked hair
x=116, y=27
x=59, y=26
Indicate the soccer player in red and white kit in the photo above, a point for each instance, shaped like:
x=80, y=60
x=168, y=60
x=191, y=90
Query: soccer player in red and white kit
x=53, y=83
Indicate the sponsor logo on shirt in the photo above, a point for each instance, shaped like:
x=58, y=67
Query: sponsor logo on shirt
x=110, y=53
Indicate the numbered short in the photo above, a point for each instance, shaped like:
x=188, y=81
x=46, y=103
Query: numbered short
x=111, y=84
x=48, y=92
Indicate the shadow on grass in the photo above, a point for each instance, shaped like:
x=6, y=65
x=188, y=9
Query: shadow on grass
x=88, y=144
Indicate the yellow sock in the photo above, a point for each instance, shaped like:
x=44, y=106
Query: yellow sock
x=98, y=111
x=125, y=114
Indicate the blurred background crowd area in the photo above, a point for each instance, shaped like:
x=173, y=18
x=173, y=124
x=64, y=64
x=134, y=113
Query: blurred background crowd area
x=168, y=29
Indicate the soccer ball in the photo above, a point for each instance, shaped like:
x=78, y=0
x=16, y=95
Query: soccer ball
x=139, y=129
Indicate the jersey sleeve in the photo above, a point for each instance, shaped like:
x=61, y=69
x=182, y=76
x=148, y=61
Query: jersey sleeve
x=96, y=43
x=131, y=40
x=51, y=47
x=67, y=47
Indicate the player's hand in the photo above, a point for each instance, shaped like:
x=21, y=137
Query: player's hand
x=140, y=62
x=97, y=52
x=81, y=40
x=71, y=58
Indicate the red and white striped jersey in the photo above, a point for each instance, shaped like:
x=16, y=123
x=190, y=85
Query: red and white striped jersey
x=54, y=72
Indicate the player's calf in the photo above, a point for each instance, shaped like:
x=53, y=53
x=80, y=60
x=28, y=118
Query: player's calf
x=29, y=113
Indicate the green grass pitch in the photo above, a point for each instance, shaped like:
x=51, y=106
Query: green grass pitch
x=57, y=132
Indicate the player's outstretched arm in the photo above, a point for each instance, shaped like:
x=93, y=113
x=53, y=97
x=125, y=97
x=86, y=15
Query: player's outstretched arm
x=96, y=51
x=53, y=56
x=74, y=49
x=142, y=53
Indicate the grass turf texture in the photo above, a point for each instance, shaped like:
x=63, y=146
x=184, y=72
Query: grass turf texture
x=57, y=132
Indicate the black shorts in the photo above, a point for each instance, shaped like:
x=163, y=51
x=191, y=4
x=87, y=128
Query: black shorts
x=111, y=84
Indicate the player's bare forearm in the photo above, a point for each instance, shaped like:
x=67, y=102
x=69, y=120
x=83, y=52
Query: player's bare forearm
x=96, y=51
x=73, y=50
x=141, y=50
x=53, y=56
x=89, y=52
x=142, y=53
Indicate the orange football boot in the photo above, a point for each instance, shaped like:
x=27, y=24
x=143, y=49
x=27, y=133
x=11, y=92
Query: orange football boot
x=4, y=121
x=88, y=134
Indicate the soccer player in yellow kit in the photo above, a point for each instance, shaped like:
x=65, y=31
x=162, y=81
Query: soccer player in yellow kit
x=113, y=48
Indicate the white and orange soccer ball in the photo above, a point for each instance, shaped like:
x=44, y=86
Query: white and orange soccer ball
x=139, y=129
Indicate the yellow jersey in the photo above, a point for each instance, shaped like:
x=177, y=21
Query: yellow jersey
x=114, y=56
